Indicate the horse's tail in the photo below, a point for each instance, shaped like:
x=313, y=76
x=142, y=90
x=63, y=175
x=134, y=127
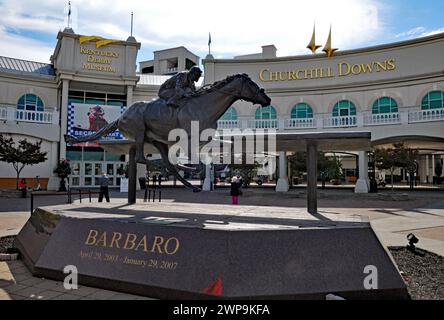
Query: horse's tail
x=105, y=130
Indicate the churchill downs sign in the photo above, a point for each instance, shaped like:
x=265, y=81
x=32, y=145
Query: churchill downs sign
x=318, y=72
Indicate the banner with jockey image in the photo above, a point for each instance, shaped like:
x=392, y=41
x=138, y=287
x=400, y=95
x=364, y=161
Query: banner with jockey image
x=86, y=119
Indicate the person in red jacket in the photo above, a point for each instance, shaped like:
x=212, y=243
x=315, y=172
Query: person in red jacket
x=22, y=187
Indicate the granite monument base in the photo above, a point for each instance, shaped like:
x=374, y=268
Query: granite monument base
x=179, y=258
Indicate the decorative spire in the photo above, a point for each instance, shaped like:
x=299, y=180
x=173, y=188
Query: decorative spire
x=327, y=48
x=312, y=45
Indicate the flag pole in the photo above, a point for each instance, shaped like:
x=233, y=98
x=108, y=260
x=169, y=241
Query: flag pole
x=209, y=43
x=69, y=14
x=131, y=23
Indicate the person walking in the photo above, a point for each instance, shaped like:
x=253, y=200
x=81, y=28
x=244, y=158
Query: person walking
x=104, y=182
x=235, y=190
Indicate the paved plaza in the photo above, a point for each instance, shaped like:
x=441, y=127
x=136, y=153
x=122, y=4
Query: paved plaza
x=420, y=212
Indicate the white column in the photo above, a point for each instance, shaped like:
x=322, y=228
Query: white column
x=207, y=182
x=360, y=119
x=129, y=96
x=54, y=181
x=282, y=183
x=63, y=118
x=362, y=185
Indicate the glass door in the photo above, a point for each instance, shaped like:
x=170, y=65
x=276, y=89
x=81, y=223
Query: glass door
x=87, y=174
x=97, y=173
x=75, y=174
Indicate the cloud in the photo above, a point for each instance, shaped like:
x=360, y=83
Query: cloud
x=418, y=32
x=432, y=32
x=237, y=27
x=20, y=47
x=411, y=33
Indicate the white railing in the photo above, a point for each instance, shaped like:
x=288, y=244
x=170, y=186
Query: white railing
x=381, y=118
x=300, y=123
x=34, y=116
x=263, y=124
x=171, y=70
x=426, y=115
x=3, y=113
x=338, y=122
x=227, y=124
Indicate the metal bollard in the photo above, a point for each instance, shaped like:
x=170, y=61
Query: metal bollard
x=89, y=192
x=32, y=202
x=80, y=195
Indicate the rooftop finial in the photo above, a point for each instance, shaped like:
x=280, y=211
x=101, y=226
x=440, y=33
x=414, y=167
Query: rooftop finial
x=327, y=48
x=312, y=45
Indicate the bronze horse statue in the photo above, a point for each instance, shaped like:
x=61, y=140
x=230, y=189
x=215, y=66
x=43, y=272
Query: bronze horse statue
x=151, y=122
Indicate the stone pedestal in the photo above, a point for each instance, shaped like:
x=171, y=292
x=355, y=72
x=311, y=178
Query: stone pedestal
x=53, y=183
x=132, y=249
x=282, y=183
x=362, y=184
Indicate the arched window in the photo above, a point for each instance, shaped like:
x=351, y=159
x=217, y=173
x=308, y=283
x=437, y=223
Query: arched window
x=433, y=100
x=266, y=113
x=384, y=105
x=230, y=114
x=30, y=102
x=344, y=108
x=301, y=111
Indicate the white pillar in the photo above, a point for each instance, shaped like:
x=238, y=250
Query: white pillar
x=362, y=185
x=129, y=96
x=54, y=181
x=282, y=183
x=63, y=118
x=207, y=182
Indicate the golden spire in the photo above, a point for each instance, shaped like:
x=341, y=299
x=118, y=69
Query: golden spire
x=327, y=48
x=312, y=45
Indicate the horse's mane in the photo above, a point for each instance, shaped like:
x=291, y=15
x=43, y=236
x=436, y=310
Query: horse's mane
x=219, y=84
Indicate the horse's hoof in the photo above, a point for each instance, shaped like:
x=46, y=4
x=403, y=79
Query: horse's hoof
x=197, y=190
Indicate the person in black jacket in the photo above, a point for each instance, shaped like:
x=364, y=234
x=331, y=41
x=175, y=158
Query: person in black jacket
x=235, y=190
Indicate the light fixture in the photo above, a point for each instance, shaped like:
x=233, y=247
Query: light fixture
x=412, y=240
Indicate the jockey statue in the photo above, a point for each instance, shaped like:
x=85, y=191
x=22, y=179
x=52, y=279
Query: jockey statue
x=179, y=86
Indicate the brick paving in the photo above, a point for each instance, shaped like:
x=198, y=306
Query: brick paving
x=17, y=283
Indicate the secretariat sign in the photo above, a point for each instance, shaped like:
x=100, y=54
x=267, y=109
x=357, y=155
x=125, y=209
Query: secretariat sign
x=342, y=69
x=86, y=119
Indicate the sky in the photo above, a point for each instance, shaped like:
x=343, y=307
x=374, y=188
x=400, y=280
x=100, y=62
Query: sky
x=28, y=28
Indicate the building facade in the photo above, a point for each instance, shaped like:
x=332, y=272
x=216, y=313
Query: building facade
x=395, y=91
